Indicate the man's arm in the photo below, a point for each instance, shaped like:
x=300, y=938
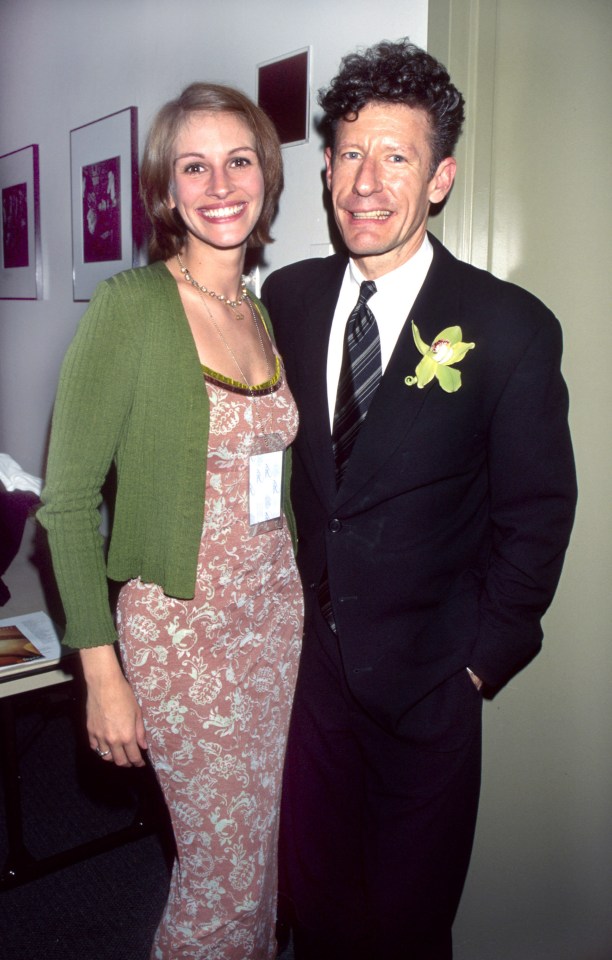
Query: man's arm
x=532, y=486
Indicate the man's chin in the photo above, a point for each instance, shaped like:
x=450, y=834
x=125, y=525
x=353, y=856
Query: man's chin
x=364, y=247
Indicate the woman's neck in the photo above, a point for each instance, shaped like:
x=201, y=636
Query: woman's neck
x=219, y=270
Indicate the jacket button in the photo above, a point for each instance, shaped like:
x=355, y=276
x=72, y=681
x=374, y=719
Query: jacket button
x=335, y=525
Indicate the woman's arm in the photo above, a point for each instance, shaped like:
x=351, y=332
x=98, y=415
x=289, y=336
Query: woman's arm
x=92, y=409
x=114, y=719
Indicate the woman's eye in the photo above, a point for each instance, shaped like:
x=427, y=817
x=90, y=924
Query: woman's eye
x=240, y=162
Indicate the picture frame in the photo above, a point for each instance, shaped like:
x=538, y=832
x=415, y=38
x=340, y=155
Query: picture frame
x=283, y=92
x=104, y=192
x=20, y=252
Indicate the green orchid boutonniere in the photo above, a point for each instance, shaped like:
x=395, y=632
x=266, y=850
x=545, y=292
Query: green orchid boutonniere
x=446, y=349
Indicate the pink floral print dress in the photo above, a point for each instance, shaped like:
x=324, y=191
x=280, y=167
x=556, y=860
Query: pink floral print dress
x=215, y=678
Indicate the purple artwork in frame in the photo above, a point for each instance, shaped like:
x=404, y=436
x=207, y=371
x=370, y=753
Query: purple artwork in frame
x=15, y=226
x=20, y=254
x=283, y=91
x=104, y=186
x=102, y=211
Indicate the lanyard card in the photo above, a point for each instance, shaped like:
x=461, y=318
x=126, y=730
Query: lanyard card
x=266, y=464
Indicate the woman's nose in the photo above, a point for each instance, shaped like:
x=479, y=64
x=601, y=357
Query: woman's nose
x=220, y=183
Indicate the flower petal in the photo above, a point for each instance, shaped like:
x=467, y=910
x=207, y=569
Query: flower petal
x=449, y=378
x=421, y=346
x=425, y=371
x=452, y=334
x=459, y=351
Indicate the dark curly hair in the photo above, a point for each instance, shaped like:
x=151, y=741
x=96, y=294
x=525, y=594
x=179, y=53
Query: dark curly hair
x=399, y=73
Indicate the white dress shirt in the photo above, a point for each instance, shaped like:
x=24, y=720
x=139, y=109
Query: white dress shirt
x=395, y=294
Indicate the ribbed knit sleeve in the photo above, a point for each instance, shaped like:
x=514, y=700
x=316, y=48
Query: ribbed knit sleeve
x=91, y=410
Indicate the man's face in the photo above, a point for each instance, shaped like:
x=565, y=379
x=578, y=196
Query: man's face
x=379, y=177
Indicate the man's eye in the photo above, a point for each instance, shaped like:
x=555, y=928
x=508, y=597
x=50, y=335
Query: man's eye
x=397, y=158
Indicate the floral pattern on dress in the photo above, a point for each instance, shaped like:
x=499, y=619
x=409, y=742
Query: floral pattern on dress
x=215, y=678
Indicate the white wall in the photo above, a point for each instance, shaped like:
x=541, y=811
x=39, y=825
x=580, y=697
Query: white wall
x=64, y=63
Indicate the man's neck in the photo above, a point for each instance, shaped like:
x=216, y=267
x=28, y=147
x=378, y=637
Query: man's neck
x=376, y=266
x=424, y=249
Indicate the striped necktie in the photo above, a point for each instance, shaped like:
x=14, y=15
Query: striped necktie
x=359, y=377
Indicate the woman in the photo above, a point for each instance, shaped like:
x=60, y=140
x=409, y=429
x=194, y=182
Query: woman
x=173, y=377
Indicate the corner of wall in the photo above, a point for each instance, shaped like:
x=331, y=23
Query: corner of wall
x=461, y=34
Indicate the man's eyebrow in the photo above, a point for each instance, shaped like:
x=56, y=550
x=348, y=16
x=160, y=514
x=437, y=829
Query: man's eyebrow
x=392, y=146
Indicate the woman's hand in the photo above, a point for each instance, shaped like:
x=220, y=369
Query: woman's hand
x=114, y=719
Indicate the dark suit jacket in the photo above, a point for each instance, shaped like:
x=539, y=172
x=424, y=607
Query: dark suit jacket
x=445, y=541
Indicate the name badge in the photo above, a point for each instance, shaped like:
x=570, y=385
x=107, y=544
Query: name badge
x=266, y=484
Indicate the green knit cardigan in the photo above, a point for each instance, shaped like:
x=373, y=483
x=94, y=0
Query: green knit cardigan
x=131, y=392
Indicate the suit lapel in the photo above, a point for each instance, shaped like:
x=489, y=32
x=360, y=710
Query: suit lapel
x=310, y=377
x=396, y=406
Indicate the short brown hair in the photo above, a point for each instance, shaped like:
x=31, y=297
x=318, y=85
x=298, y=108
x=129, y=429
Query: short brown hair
x=169, y=231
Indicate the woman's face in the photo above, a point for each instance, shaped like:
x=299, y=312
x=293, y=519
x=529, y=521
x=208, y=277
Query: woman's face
x=217, y=182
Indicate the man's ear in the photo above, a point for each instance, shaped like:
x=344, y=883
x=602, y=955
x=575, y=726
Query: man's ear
x=442, y=180
x=328, y=166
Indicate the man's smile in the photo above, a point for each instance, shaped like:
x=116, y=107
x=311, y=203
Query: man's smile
x=371, y=214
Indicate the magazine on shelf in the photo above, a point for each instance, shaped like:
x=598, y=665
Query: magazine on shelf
x=28, y=642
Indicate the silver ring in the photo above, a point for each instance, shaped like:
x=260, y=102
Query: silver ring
x=102, y=753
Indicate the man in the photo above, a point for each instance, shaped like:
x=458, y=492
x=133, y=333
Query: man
x=434, y=506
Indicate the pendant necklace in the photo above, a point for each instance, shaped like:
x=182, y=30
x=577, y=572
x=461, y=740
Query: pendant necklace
x=265, y=512
x=229, y=349
x=232, y=304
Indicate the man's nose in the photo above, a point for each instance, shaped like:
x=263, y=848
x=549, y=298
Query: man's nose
x=368, y=178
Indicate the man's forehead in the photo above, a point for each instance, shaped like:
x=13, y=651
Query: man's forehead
x=393, y=122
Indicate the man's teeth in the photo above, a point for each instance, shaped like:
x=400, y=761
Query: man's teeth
x=372, y=215
x=224, y=211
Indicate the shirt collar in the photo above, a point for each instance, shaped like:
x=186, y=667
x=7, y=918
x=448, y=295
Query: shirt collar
x=413, y=271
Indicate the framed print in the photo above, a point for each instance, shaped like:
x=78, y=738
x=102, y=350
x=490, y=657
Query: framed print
x=21, y=272
x=104, y=185
x=283, y=91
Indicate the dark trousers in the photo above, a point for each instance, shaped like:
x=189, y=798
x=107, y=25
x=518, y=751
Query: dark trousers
x=376, y=830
